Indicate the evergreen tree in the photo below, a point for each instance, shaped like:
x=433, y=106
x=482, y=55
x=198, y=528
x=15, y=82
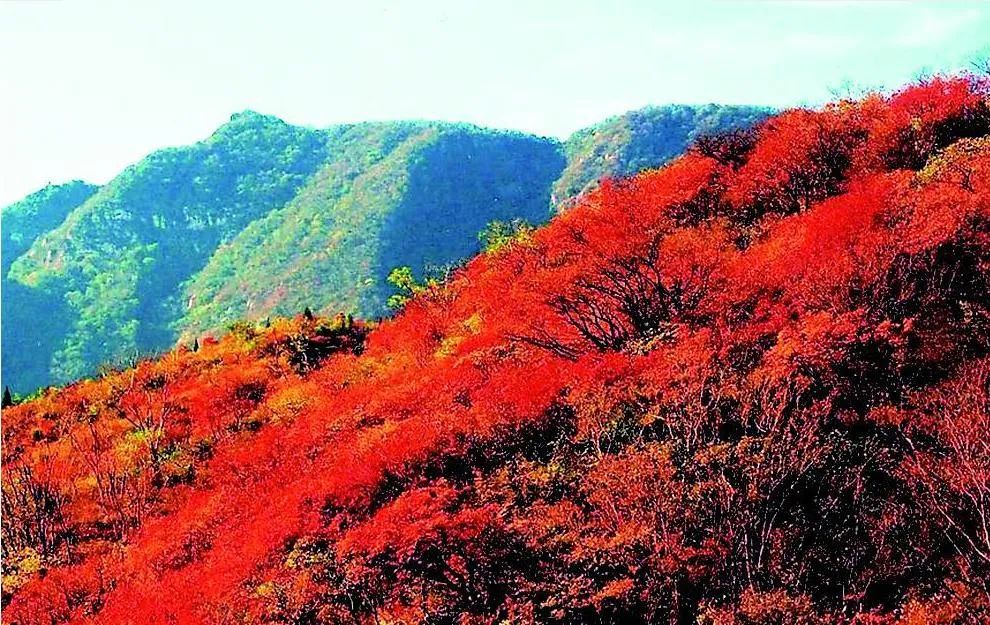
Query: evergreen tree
x=8, y=400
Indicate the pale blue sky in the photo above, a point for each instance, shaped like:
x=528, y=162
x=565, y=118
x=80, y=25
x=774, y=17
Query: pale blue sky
x=88, y=87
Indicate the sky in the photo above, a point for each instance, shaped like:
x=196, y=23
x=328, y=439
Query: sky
x=89, y=87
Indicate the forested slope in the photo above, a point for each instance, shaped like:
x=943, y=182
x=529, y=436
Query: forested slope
x=31, y=317
x=117, y=260
x=412, y=195
x=649, y=137
x=751, y=387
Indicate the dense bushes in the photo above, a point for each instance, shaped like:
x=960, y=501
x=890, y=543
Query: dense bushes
x=770, y=411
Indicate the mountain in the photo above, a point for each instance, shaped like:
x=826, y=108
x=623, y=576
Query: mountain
x=264, y=218
x=626, y=144
x=445, y=174
x=393, y=195
x=749, y=387
x=118, y=260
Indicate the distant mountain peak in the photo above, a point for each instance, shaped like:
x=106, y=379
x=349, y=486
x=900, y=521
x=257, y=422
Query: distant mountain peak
x=248, y=115
x=249, y=120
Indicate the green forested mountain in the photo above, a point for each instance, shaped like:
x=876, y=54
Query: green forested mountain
x=117, y=261
x=31, y=316
x=623, y=145
x=392, y=194
x=266, y=218
x=24, y=221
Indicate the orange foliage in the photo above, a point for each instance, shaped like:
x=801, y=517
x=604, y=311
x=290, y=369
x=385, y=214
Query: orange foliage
x=749, y=387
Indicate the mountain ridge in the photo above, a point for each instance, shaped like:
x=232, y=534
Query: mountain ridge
x=193, y=238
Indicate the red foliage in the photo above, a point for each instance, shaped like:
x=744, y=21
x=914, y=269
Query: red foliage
x=750, y=387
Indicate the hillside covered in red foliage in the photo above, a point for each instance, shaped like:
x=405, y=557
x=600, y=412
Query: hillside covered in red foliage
x=749, y=388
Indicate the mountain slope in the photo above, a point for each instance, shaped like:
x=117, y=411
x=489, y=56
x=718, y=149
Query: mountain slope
x=416, y=197
x=118, y=259
x=279, y=266
x=44, y=210
x=751, y=387
x=30, y=316
x=641, y=139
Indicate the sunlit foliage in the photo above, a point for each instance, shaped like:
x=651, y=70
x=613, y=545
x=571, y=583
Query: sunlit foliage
x=751, y=387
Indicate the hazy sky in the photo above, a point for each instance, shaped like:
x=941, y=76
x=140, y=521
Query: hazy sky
x=87, y=88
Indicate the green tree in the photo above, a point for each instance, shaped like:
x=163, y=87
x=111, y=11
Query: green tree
x=499, y=234
x=403, y=280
